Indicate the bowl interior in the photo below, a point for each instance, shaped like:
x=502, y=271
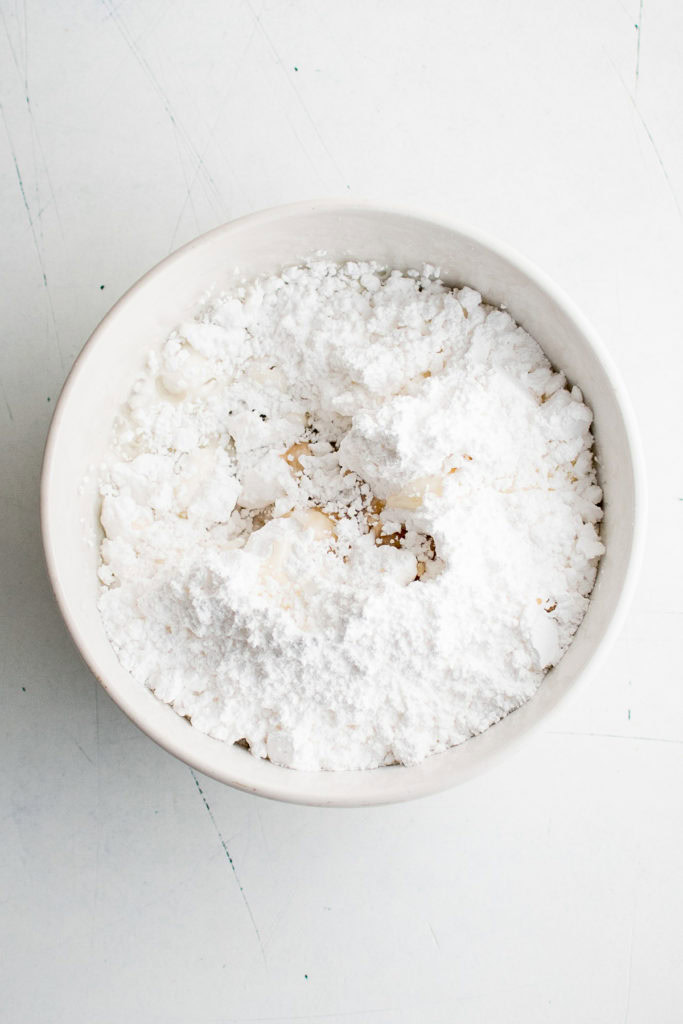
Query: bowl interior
x=107, y=367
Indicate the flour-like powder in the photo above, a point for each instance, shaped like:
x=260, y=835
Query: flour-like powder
x=350, y=519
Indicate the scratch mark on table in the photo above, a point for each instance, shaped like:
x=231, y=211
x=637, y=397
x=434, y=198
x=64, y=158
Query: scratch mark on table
x=35, y=137
x=630, y=962
x=86, y=756
x=188, y=188
x=6, y=401
x=659, y=158
x=436, y=941
x=311, y=1016
x=36, y=242
x=658, y=155
x=160, y=12
x=164, y=98
x=98, y=819
x=36, y=141
x=263, y=831
x=189, y=185
x=639, y=27
x=9, y=40
x=299, y=98
x=25, y=39
x=626, y=12
x=615, y=736
x=230, y=862
x=236, y=71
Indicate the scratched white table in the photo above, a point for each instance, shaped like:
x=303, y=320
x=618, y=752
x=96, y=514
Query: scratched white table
x=549, y=890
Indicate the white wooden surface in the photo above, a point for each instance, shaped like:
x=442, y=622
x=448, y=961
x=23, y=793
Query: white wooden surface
x=549, y=891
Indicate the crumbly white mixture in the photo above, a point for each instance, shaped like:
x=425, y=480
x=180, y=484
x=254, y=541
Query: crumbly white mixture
x=351, y=518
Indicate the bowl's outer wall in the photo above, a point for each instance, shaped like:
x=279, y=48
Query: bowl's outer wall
x=107, y=367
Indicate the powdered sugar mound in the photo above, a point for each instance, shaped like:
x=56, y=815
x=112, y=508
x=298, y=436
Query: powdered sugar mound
x=351, y=518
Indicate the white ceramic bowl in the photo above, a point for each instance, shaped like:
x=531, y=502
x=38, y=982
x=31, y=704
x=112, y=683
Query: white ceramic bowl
x=263, y=242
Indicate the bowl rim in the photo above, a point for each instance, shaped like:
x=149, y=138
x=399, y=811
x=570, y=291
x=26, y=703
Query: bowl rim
x=433, y=782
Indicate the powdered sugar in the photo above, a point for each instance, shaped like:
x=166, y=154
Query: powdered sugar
x=351, y=518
